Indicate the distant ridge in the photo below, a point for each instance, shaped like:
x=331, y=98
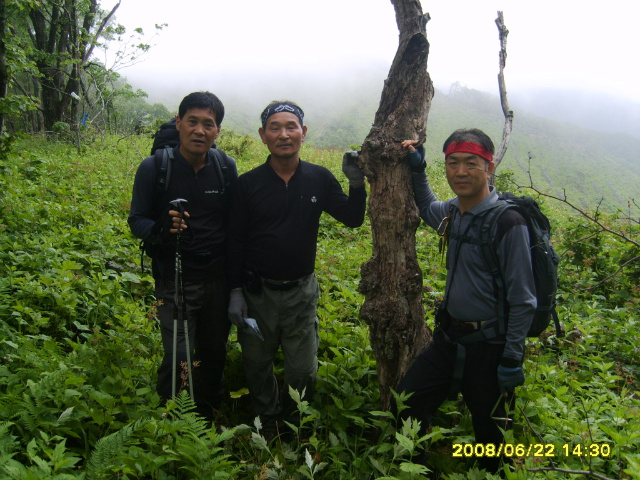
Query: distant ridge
x=588, y=164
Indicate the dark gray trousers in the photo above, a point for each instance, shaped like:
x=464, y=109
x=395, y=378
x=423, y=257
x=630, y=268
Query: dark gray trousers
x=208, y=326
x=287, y=320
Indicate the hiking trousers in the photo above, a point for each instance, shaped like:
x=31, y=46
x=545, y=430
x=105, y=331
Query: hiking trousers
x=287, y=319
x=208, y=326
x=429, y=380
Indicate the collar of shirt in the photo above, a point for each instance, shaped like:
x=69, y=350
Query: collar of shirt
x=487, y=202
x=178, y=156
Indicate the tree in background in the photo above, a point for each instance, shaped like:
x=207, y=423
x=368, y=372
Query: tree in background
x=62, y=37
x=55, y=43
x=392, y=279
x=13, y=60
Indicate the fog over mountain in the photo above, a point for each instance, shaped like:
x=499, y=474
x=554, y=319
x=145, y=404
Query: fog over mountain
x=576, y=143
x=596, y=111
x=322, y=92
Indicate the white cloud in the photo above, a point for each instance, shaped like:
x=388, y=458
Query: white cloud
x=551, y=43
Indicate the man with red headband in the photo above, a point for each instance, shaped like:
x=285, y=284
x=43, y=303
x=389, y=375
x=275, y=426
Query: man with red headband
x=468, y=353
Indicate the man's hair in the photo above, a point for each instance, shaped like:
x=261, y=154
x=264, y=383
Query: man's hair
x=473, y=135
x=266, y=113
x=202, y=100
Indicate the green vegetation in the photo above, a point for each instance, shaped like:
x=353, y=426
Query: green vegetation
x=79, y=346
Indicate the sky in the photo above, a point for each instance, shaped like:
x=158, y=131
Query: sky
x=252, y=45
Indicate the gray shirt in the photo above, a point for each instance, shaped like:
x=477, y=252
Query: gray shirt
x=469, y=281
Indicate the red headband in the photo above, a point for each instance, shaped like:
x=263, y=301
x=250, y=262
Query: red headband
x=469, y=147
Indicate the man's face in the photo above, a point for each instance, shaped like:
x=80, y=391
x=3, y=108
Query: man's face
x=198, y=130
x=467, y=175
x=283, y=135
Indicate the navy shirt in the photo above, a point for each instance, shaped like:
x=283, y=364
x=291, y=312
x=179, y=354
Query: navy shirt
x=274, y=225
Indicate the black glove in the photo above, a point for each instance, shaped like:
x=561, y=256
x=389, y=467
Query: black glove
x=238, y=309
x=509, y=378
x=351, y=169
x=416, y=160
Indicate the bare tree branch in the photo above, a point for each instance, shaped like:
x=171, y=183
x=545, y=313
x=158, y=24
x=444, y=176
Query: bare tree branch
x=98, y=33
x=508, y=113
x=606, y=279
x=593, y=218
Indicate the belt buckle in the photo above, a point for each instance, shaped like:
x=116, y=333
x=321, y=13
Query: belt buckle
x=464, y=326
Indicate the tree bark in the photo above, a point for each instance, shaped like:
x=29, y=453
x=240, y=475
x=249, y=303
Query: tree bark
x=392, y=280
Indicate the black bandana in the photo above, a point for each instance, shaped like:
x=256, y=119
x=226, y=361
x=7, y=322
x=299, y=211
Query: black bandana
x=281, y=107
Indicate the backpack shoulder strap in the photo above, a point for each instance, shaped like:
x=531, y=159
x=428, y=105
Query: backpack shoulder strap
x=163, y=159
x=221, y=166
x=488, y=232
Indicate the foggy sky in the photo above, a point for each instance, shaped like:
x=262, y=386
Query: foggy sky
x=264, y=48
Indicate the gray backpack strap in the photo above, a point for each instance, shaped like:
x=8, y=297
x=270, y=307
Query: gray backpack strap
x=487, y=233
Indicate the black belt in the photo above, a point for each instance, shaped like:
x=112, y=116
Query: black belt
x=281, y=286
x=204, y=256
x=465, y=326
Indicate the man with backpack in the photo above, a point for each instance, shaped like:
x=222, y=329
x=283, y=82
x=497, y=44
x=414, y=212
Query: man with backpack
x=473, y=351
x=199, y=179
x=273, y=233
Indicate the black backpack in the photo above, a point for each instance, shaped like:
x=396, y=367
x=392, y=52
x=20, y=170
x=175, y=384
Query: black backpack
x=166, y=136
x=164, y=141
x=544, y=260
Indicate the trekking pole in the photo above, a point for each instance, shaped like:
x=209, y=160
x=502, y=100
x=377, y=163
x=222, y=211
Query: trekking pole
x=179, y=301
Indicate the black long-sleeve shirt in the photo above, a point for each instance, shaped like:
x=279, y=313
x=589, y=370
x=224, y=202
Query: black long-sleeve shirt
x=274, y=225
x=205, y=237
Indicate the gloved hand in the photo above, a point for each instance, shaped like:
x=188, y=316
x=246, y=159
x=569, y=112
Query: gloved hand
x=509, y=378
x=238, y=309
x=416, y=155
x=351, y=169
x=416, y=161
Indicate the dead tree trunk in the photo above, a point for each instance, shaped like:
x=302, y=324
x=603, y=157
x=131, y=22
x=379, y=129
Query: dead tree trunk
x=392, y=280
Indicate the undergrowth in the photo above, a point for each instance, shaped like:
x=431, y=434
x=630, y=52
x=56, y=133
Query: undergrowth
x=80, y=344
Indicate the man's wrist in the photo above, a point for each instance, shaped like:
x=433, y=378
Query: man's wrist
x=510, y=362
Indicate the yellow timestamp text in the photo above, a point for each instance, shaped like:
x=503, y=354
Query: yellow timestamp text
x=531, y=450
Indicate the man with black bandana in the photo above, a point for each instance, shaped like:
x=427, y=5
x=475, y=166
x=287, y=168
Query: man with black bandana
x=197, y=178
x=467, y=353
x=273, y=235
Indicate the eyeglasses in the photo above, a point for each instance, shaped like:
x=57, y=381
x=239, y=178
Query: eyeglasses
x=470, y=165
